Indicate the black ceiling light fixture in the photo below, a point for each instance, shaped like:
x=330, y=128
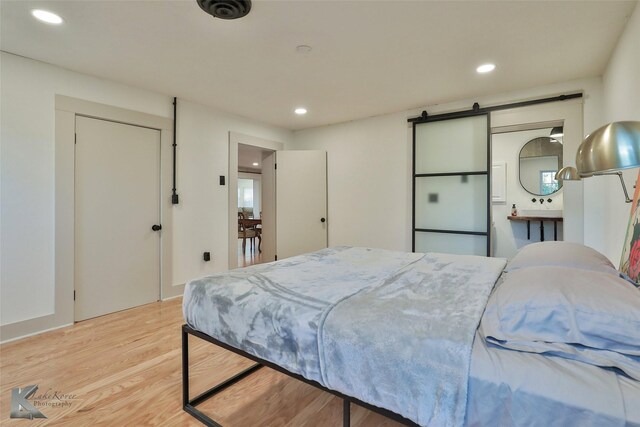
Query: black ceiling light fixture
x=226, y=9
x=557, y=132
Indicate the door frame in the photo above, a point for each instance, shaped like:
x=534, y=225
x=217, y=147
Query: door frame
x=236, y=138
x=66, y=111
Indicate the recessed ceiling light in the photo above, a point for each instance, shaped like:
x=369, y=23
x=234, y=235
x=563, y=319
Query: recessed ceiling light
x=485, y=68
x=300, y=111
x=255, y=163
x=45, y=16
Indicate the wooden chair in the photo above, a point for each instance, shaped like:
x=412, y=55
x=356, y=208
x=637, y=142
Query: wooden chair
x=245, y=233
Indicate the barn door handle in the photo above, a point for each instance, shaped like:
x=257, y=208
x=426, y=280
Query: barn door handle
x=322, y=220
x=156, y=227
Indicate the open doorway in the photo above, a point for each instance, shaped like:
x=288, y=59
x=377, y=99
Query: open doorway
x=522, y=176
x=250, y=225
x=248, y=197
x=293, y=216
x=530, y=209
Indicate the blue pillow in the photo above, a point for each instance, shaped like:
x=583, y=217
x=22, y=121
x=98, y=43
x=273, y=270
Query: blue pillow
x=585, y=315
x=561, y=254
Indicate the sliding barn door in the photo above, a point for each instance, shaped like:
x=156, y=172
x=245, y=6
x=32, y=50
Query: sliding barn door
x=451, y=185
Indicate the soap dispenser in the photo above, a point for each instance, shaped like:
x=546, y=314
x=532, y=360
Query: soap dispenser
x=514, y=210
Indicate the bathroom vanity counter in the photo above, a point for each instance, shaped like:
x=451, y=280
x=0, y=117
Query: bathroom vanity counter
x=542, y=219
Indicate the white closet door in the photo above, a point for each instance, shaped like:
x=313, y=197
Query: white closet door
x=117, y=201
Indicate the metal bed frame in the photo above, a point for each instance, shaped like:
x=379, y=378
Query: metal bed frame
x=189, y=405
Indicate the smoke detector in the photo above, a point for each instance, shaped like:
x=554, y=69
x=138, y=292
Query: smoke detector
x=226, y=9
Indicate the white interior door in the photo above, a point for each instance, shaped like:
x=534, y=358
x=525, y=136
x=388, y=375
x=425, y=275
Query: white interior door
x=117, y=201
x=301, y=202
x=269, y=208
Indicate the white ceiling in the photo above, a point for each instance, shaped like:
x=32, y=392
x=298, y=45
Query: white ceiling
x=368, y=58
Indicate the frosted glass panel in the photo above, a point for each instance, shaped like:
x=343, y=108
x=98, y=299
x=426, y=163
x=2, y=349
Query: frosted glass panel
x=463, y=244
x=458, y=145
x=452, y=202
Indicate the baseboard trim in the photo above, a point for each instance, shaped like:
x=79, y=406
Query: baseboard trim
x=28, y=328
x=172, y=292
x=38, y=325
x=170, y=298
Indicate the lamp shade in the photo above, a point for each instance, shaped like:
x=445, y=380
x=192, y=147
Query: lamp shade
x=568, y=173
x=610, y=148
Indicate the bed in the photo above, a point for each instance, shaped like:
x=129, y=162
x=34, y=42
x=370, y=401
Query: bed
x=435, y=339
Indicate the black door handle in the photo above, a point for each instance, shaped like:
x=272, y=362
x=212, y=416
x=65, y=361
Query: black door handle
x=322, y=220
x=156, y=227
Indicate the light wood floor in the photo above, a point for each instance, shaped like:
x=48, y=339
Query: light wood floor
x=125, y=370
x=249, y=256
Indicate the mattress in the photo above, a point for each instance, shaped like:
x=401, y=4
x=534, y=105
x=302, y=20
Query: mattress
x=372, y=324
x=288, y=300
x=531, y=389
x=513, y=388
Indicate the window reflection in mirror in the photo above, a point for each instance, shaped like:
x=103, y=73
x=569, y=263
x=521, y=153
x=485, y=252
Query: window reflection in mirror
x=540, y=159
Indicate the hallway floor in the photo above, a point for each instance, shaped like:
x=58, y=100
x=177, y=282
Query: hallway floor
x=250, y=256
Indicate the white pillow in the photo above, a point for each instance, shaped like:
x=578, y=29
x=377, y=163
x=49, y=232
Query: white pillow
x=562, y=254
x=585, y=315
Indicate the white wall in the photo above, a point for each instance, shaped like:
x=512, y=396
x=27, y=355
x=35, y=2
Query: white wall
x=27, y=174
x=369, y=180
x=201, y=220
x=369, y=165
x=27, y=134
x=621, y=82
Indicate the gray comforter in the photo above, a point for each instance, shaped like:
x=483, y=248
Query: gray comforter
x=392, y=329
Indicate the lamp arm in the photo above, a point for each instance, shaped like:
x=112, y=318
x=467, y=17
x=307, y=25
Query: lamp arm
x=624, y=187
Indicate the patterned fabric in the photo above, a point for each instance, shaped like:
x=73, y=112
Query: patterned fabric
x=390, y=328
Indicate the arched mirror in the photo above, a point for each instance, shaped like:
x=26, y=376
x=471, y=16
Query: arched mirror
x=540, y=159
